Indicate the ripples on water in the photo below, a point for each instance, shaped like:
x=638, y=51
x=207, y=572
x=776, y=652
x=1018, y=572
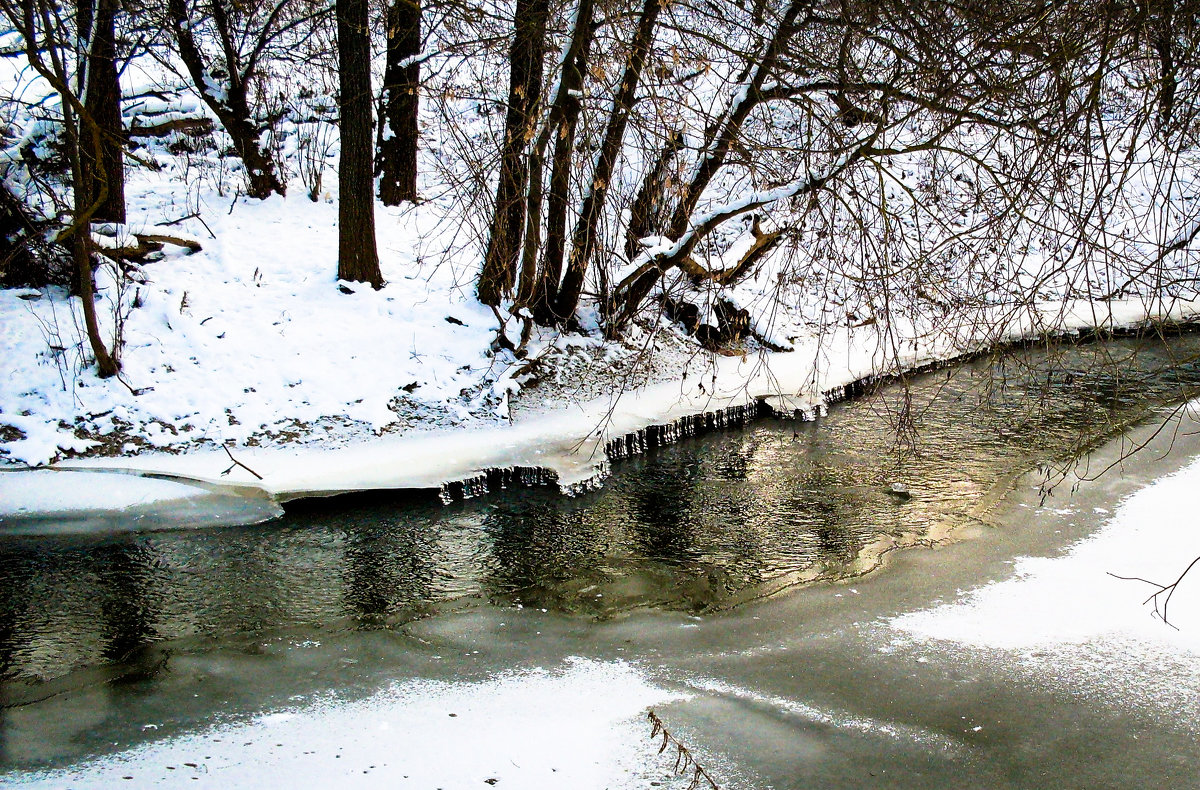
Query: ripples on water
x=701, y=524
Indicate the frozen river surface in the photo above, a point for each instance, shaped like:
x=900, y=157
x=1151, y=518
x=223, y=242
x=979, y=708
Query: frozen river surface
x=519, y=641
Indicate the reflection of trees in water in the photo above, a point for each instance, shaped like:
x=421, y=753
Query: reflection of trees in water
x=127, y=588
x=104, y=598
x=537, y=542
x=387, y=566
x=733, y=457
x=689, y=508
x=836, y=544
x=659, y=500
x=20, y=578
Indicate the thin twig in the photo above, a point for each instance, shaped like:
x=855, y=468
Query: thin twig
x=1164, y=590
x=237, y=463
x=194, y=215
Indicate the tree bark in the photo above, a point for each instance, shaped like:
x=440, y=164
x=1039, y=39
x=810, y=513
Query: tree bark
x=583, y=238
x=358, y=259
x=397, y=152
x=524, y=88
x=539, y=284
x=88, y=196
x=101, y=94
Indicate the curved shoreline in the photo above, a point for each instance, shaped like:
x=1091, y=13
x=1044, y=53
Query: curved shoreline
x=574, y=448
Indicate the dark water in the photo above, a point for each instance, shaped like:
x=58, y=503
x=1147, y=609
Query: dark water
x=701, y=525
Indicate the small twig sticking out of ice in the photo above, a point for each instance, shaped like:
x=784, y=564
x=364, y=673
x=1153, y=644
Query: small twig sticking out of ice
x=237, y=463
x=684, y=762
x=1164, y=590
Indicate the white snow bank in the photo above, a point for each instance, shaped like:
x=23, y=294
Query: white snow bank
x=582, y=727
x=1072, y=599
x=570, y=439
x=53, y=491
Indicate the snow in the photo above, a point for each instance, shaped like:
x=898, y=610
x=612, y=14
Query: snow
x=53, y=491
x=1055, y=602
x=582, y=726
x=219, y=345
x=255, y=370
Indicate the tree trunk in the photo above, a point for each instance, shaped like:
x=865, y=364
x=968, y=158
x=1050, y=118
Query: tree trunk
x=397, y=154
x=85, y=145
x=101, y=94
x=358, y=259
x=583, y=239
x=524, y=88
x=261, y=179
x=562, y=123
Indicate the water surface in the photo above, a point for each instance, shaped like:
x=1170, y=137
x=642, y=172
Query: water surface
x=101, y=633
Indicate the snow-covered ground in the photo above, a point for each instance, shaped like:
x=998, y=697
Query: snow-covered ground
x=248, y=350
x=249, y=344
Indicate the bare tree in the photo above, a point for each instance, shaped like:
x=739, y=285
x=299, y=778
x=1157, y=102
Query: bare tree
x=583, y=238
x=45, y=35
x=222, y=45
x=827, y=110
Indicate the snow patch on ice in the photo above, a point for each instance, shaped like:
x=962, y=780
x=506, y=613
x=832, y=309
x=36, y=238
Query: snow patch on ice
x=1065, y=623
x=1073, y=599
x=579, y=727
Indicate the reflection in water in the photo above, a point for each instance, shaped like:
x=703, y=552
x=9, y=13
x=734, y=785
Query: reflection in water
x=704, y=523
x=126, y=607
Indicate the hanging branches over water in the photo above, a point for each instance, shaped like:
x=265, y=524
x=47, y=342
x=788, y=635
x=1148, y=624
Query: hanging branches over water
x=684, y=761
x=1161, y=597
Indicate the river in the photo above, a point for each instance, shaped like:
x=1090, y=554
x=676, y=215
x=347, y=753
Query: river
x=749, y=574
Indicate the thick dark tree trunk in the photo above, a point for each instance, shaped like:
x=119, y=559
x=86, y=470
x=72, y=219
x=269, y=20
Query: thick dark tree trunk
x=231, y=106
x=397, y=152
x=524, y=89
x=358, y=259
x=583, y=239
x=102, y=101
x=561, y=125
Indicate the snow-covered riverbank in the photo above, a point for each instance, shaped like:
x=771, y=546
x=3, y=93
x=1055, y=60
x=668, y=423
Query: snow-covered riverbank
x=316, y=390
